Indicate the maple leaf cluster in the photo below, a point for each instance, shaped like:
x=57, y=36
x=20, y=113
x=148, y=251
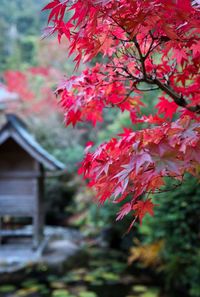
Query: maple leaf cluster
x=141, y=51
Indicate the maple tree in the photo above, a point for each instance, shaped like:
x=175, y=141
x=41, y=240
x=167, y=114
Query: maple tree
x=141, y=51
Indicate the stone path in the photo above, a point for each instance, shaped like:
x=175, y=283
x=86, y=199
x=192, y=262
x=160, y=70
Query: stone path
x=58, y=245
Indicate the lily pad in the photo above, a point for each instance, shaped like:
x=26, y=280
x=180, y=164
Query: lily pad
x=7, y=288
x=108, y=276
x=45, y=291
x=72, y=277
x=29, y=283
x=150, y=293
x=77, y=289
x=95, y=263
x=80, y=271
x=60, y=293
x=97, y=282
x=87, y=294
x=22, y=293
x=26, y=292
x=52, y=278
x=38, y=287
x=118, y=267
x=57, y=285
x=139, y=289
x=89, y=278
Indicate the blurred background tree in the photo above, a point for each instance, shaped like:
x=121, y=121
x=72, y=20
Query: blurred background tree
x=21, y=28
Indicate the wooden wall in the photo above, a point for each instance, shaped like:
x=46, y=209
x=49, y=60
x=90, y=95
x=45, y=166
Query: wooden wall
x=14, y=159
x=21, y=186
x=18, y=180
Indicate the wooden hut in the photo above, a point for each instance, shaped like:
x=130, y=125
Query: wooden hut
x=22, y=166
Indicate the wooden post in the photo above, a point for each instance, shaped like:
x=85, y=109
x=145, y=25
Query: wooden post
x=35, y=230
x=38, y=218
x=0, y=230
x=41, y=203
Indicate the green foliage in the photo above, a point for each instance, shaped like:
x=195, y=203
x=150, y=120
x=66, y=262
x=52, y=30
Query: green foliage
x=176, y=222
x=28, y=47
x=20, y=23
x=115, y=121
x=65, y=144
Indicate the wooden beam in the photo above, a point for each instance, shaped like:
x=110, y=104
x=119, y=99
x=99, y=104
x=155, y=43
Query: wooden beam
x=19, y=174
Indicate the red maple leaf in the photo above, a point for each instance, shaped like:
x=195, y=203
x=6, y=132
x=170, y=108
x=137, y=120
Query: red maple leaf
x=167, y=107
x=126, y=208
x=142, y=208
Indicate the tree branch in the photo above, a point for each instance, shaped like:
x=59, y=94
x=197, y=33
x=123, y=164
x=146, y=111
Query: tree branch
x=142, y=59
x=178, y=99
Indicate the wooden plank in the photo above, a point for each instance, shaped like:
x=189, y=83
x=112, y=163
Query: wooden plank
x=15, y=233
x=16, y=186
x=13, y=205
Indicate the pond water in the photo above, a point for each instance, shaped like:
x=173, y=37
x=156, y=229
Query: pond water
x=95, y=273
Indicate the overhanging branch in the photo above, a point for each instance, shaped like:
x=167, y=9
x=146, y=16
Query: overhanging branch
x=178, y=98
